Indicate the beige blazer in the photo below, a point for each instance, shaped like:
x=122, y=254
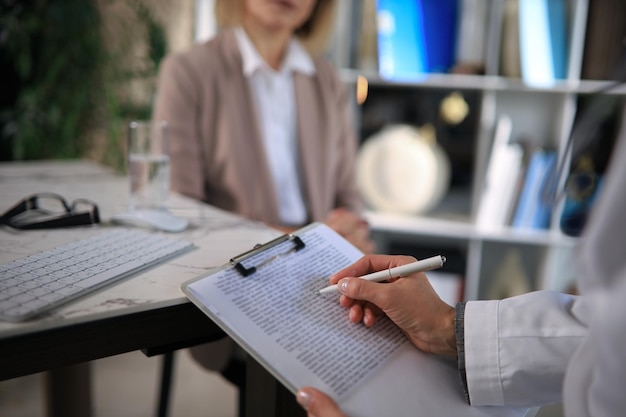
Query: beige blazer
x=215, y=144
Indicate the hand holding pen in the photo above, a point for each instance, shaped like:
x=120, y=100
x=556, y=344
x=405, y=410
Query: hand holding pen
x=411, y=302
x=423, y=265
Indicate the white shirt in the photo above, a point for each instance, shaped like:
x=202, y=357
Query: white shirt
x=546, y=347
x=274, y=95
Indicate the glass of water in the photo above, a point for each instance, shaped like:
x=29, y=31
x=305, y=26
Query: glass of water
x=148, y=165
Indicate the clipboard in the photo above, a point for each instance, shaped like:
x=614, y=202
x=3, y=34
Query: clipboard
x=267, y=300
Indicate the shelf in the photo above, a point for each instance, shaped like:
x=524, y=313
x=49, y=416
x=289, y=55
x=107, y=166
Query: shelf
x=483, y=83
x=542, y=116
x=462, y=230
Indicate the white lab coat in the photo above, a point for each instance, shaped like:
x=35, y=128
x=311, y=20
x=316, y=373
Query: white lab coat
x=546, y=347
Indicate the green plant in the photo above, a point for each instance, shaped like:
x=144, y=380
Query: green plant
x=70, y=81
x=53, y=48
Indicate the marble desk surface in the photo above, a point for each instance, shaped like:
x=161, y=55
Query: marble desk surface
x=216, y=234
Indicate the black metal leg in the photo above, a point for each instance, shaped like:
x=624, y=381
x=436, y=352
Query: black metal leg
x=266, y=396
x=68, y=391
x=167, y=370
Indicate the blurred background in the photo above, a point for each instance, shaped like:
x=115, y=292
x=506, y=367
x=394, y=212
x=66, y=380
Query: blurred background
x=74, y=72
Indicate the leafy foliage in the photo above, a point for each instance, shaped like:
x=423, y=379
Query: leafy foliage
x=65, y=80
x=54, y=47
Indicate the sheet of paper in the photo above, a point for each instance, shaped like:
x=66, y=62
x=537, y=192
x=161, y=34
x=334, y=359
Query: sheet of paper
x=304, y=338
x=277, y=314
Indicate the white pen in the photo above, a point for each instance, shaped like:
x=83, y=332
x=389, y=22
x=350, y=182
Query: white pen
x=427, y=264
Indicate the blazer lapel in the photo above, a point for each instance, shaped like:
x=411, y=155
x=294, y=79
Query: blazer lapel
x=247, y=142
x=311, y=143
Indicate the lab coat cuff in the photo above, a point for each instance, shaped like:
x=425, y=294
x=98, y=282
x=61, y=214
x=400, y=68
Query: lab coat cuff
x=482, y=355
x=459, y=332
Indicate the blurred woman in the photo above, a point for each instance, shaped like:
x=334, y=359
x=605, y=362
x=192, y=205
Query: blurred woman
x=259, y=120
x=260, y=123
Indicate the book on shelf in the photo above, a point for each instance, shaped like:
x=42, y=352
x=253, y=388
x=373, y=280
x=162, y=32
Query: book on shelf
x=510, y=65
x=493, y=34
x=440, y=19
x=533, y=211
x=501, y=177
x=558, y=27
x=401, y=49
x=543, y=40
x=471, y=38
x=415, y=37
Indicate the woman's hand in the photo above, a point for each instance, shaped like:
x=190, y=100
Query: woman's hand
x=318, y=404
x=351, y=227
x=410, y=302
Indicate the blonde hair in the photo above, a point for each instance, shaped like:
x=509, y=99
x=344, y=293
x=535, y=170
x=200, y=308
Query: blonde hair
x=314, y=34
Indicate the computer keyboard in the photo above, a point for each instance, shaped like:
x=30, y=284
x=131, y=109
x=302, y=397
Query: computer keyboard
x=35, y=284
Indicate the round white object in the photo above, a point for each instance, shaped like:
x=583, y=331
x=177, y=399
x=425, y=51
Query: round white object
x=401, y=172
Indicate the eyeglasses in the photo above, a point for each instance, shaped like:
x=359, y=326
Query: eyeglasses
x=50, y=210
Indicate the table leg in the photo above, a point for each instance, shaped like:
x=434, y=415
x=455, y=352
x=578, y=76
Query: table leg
x=265, y=396
x=68, y=391
x=167, y=372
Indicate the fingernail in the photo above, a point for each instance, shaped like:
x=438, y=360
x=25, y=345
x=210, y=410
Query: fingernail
x=343, y=285
x=304, y=399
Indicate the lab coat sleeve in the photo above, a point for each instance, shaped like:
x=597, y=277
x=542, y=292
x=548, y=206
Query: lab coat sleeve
x=517, y=349
x=594, y=382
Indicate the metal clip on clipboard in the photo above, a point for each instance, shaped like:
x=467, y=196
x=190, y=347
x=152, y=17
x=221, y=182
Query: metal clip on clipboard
x=237, y=260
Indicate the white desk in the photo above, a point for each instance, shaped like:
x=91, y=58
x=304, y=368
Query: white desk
x=218, y=236
x=146, y=311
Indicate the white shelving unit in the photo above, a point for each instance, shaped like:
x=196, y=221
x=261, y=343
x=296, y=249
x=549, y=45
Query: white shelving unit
x=544, y=113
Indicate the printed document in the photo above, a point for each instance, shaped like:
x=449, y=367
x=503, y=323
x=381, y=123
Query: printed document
x=304, y=338
x=279, y=313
